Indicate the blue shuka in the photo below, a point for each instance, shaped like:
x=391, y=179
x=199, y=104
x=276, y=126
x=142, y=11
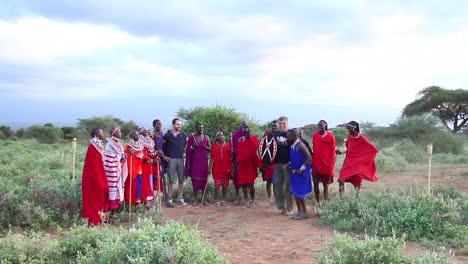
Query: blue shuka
x=301, y=184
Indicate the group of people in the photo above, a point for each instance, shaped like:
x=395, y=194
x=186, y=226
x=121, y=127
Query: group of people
x=113, y=173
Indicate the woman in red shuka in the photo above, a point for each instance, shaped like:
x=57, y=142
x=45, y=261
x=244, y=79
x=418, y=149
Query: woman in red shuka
x=95, y=190
x=140, y=190
x=359, y=162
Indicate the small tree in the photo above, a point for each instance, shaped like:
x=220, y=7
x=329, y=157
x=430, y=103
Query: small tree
x=7, y=132
x=48, y=133
x=85, y=125
x=217, y=118
x=20, y=133
x=450, y=106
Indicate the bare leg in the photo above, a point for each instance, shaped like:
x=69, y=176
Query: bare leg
x=244, y=191
x=237, y=201
x=252, y=192
x=268, y=188
x=225, y=190
x=170, y=189
x=195, y=198
x=317, y=192
x=325, y=192
x=181, y=190
x=217, y=193
x=341, y=188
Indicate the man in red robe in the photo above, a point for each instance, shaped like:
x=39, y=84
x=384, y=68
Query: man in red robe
x=359, y=162
x=221, y=166
x=267, y=173
x=94, y=187
x=140, y=191
x=323, y=159
x=248, y=162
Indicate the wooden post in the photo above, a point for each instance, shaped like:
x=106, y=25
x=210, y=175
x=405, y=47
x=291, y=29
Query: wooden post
x=429, y=153
x=130, y=191
x=74, y=158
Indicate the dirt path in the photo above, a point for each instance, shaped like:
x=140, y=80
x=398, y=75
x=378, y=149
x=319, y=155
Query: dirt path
x=259, y=236
x=256, y=235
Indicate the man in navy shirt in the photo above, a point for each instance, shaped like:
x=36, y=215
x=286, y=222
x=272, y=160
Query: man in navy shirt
x=175, y=150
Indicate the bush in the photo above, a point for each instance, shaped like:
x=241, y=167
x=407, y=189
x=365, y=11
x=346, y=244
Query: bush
x=36, y=190
x=421, y=130
x=20, y=133
x=85, y=125
x=45, y=134
x=343, y=249
x=389, y=159
x=409, y=212
x=7, y=132
x=69, y=133
x=144, y=242
x=217, y=118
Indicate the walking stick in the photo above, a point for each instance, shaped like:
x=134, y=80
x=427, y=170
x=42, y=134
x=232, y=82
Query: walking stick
x=429, y=152
x=204, y=191
x=130, y=192
x=74, y=158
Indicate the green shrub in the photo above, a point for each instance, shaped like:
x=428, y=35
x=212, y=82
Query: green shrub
x=409, y=212
x=389, y=159
x=45, y=134
x=421, y=130
x=343, y=249
x=7, y=132
x=144, y=242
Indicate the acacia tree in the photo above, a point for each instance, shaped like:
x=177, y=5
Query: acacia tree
x=451, y=106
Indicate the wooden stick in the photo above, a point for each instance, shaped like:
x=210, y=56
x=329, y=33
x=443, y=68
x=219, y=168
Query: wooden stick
x=204, y=191
x=130, y=192
x=74, y=158
x=429, y=152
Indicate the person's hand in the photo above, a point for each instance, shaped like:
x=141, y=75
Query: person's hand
x=166, y=158
x=287, y=166
x=131, y=151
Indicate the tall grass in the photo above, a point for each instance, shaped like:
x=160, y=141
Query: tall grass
x=343, y=249
x=439, y=217
x=145, y=242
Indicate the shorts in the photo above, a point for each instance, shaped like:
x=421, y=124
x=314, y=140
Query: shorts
x=222, y=182
x=176, y=166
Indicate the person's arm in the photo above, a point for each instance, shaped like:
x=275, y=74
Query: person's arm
x=208, y=145
x=303, y=149
x=210, y=165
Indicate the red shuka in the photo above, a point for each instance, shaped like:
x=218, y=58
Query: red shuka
x=157, y=175
x=270, y=170
x=135, y=168
x=248, y=160
x=95, y=189
x=222, y=160
x=359, y=163
x=324, y=157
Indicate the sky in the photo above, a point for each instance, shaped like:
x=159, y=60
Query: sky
x=337, y=60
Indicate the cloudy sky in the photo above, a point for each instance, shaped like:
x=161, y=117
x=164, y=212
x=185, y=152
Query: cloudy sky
x=338, y=60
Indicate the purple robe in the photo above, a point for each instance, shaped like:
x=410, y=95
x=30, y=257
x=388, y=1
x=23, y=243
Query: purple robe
x=196, y=163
